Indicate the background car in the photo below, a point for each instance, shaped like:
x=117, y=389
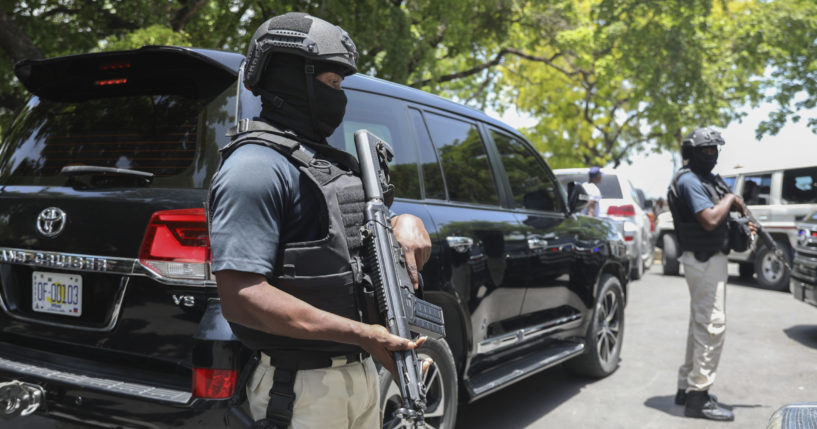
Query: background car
x=803, y=283
x=621, y=201
x=108, y=307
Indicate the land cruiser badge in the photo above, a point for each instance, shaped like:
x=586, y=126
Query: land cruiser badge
x=51, y=221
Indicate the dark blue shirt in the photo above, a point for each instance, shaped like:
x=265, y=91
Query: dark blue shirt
x=259, y=201
x=693, y=193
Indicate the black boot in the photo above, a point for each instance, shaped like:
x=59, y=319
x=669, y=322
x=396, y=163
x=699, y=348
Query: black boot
x=681, y=397
x=700, y=404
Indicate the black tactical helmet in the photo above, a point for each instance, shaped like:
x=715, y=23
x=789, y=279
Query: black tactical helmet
x=700, y=137
x=300, y=34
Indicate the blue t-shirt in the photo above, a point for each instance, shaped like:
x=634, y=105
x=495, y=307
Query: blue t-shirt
x=259, y=201
x=693, y=193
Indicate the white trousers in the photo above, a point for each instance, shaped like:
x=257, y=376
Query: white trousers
x=707, y=320
x=345, y=396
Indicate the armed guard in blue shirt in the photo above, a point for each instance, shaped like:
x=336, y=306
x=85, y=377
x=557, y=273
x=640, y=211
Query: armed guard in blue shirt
x=700, y=207
x=285, y=216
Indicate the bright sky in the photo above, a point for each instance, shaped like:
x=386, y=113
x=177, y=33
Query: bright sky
x=795, y=144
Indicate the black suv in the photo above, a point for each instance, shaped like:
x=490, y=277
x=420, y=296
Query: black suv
x=109, y=312
x=803, y=283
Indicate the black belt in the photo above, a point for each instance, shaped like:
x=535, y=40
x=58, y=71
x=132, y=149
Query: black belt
x=306, y=361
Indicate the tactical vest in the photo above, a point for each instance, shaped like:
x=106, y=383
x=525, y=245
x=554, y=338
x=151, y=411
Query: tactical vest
x=324, y=273
x=691, y=235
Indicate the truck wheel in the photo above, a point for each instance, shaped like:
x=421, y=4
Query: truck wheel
x=605, y=333
x=746, y=270
x=771, y=273
x=441, y=390
x=669, y=255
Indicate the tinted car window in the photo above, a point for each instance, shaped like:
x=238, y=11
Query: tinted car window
x=464, y=161
x=386, y=118
x=164, y=135
x=756, y=189
x=432, y=176
x=531, y=184
x=609, y=186
x=800, y=185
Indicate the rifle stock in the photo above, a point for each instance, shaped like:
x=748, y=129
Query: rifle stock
x=400, y=310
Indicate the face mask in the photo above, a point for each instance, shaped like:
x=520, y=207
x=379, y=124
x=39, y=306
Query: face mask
x=329, y=108
x=702, y=163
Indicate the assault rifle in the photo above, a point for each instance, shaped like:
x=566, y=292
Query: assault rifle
x=400, y=310
x=761, y=232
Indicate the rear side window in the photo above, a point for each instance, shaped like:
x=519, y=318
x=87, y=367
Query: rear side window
x=386, y=118
x=756, y=189
x=531, y=185
x=609, y=186
x=464, y=161
x=800, y=186
x=432, y=176
x=166, y=135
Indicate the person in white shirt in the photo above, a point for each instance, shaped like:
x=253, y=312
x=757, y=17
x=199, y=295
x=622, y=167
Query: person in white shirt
x=593, y=193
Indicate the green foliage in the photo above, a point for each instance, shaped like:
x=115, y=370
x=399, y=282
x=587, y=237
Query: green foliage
x=604, y=78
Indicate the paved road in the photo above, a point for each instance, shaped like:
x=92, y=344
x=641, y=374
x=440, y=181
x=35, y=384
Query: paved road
x=769, y=359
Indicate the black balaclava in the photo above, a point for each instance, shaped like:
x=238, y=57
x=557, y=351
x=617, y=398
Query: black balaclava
x=285, y=99
x=702, y=163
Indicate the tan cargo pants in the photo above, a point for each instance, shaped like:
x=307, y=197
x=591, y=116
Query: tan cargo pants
x=346, y=396
x=707, y=321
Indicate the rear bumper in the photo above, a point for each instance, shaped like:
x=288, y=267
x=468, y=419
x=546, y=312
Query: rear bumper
x=104, y=402
x=803, y=291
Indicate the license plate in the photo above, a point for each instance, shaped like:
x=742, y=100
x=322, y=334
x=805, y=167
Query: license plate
x=56, y=293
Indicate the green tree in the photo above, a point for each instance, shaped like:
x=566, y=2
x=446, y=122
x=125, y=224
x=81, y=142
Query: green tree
x=398, y=40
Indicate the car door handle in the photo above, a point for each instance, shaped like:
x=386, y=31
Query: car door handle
x=459, y=244
x=536, y=242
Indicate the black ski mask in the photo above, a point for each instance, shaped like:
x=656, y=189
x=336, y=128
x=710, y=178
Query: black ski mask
x=285, y=99
x=701, y=162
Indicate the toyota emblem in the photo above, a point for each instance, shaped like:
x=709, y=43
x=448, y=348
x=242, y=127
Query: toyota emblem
x=51, y=221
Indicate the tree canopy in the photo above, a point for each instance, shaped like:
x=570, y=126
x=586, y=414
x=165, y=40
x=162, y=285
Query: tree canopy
x=604, y=79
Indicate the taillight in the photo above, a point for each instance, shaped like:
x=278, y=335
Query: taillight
x=626, y=210
x=629, y=235
x=176, y=244
x=214, y=383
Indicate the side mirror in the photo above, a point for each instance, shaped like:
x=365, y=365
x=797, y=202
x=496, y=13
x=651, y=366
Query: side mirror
x=576, y=197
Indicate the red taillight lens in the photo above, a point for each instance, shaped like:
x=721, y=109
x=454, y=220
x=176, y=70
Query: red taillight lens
x=176, y=244
x=629, y=237
x=108, y=82
x=214, y=383
x=626, y=210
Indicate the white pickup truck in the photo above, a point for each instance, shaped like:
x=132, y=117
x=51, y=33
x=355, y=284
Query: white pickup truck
x=778, y=198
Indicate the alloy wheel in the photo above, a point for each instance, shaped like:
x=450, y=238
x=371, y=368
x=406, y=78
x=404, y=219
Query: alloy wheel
x=435, y=400
x=608, y=327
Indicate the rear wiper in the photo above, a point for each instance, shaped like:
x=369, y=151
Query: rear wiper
x=106, y=176
x=76, y=170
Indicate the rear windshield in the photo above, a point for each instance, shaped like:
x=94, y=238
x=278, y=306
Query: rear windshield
x=608, y=187
x=166, y=135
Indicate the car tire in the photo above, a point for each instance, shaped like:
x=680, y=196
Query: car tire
x=746, y=270
x=605, y=334
x=441, y=389
x=637, y=267
x=771, y=273
x=669, y=255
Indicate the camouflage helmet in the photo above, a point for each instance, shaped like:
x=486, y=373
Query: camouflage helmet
x=701, y=137
x=299, y=34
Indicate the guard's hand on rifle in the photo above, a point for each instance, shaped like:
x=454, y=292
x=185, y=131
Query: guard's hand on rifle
x=379, y=343
x=413, y=238
x=739, y=205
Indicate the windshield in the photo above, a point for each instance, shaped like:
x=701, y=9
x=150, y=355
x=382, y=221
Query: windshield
x=159, y=134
